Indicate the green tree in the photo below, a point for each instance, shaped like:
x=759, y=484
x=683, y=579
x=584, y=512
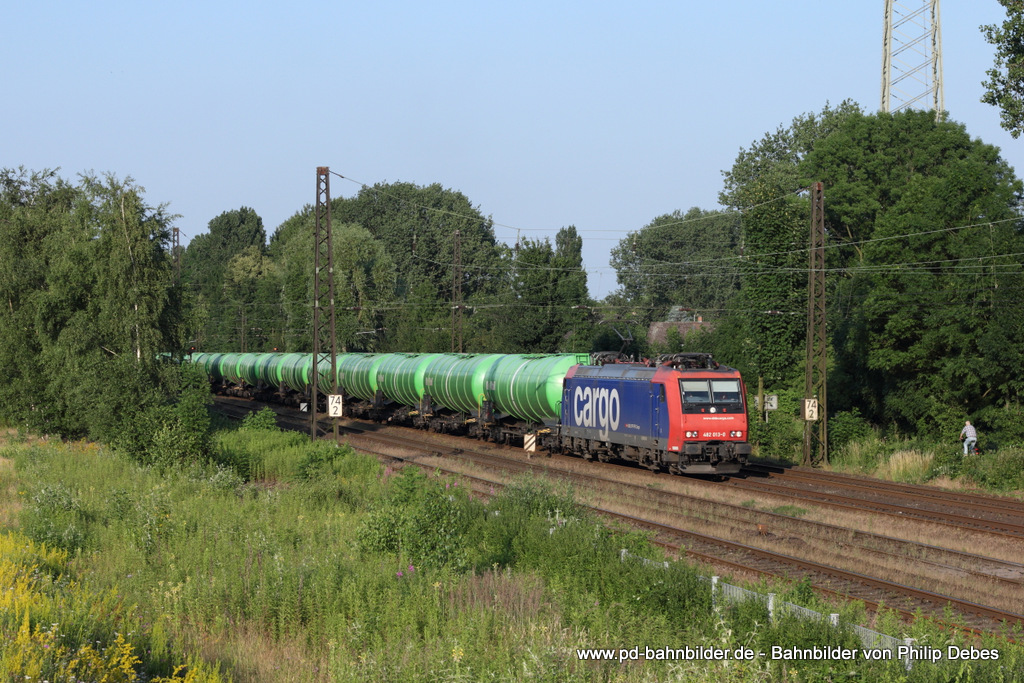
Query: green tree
x=680, y=259
x=364, y=283
x=544, y=306
x=769, y=311
x=90, y=301
x=35, y=209
x=1005, y=85
x=773, y=160
x=927, y=228
x=203, y=271
x=242, y=301
x=414, y=228
x=762, y=331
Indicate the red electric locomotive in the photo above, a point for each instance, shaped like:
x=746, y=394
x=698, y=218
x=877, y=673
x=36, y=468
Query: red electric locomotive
x=684, y=413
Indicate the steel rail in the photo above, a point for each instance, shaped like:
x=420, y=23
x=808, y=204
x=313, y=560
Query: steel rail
x=999, y=505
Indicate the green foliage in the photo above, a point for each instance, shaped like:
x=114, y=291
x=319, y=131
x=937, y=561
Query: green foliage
x=319, y=459
x=263, y=419
x=948, y=462
x=407, y=486
x=770, y=308
x=772, y=163
x=85, y=273
x=55, y=517
x=264, y=453
x=305, y=582
x=680, y=259
x=928, y=321
x=418, y=225
x=222, y=271
x=846, y=426
x=543, y=304
x=425, y=521
x=1001, y=470
x=1000, y=425
x=381, y=530
x=364, y=282
x=394, y=254
x=514, y=510
x=162, y=427
x=1004, y=85
x=781, y=437
x=763, y=328
x=437, y=529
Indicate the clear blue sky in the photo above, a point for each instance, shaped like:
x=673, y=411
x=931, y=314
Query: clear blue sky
x=601, y=115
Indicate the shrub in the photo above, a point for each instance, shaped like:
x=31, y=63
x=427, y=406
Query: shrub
x=407, y=486
x=846, y=426
x=264, y=419
x=1000, y=425
x=381, y=531
x=781, y=437
x=437, y=531
x=947, y=462
x=54, y=516
x=166, y=429
x=1002, y=470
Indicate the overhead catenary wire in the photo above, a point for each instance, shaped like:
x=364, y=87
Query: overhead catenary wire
x=648, y=268
x=493, y=223
x=723, y=266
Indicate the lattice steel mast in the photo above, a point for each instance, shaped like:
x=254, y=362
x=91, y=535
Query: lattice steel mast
x=912, y=56
x=815, y=394
x=324, y=338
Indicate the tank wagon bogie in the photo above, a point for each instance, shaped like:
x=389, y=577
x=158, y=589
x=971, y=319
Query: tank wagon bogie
x=683, y=414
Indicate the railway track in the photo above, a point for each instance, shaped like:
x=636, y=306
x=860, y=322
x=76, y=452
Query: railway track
x=742, y=557
x=991, y=514
x=981, y=501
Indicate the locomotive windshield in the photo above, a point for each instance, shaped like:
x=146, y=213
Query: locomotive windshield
x=707, y=392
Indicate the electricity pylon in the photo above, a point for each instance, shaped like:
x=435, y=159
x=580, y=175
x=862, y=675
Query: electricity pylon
x=912, y=56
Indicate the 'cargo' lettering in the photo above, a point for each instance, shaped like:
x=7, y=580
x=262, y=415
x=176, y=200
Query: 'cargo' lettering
x=597, y=408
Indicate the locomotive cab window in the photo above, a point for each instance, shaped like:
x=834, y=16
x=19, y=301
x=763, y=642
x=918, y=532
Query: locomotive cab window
x=725, y=391
x=695, y=391
x=721, y=392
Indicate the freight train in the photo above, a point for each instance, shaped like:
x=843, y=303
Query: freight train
x=682, y=413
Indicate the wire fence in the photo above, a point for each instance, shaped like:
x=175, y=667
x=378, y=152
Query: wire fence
x=722, y=592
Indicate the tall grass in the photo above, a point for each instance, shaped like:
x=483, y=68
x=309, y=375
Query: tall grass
x=53, y=627
x=286, y=563
x=909, y=467
x=920, y=460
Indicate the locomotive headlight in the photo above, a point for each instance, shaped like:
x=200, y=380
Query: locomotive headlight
x=736, y=435
x=691, y=435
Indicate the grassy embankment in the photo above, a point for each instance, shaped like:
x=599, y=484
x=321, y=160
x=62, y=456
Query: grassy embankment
x=285, y=562
x=918, y=461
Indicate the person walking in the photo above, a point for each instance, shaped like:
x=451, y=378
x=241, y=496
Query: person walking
x=969, y=436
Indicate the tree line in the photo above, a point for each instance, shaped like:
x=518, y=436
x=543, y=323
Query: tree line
x=924, y=251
